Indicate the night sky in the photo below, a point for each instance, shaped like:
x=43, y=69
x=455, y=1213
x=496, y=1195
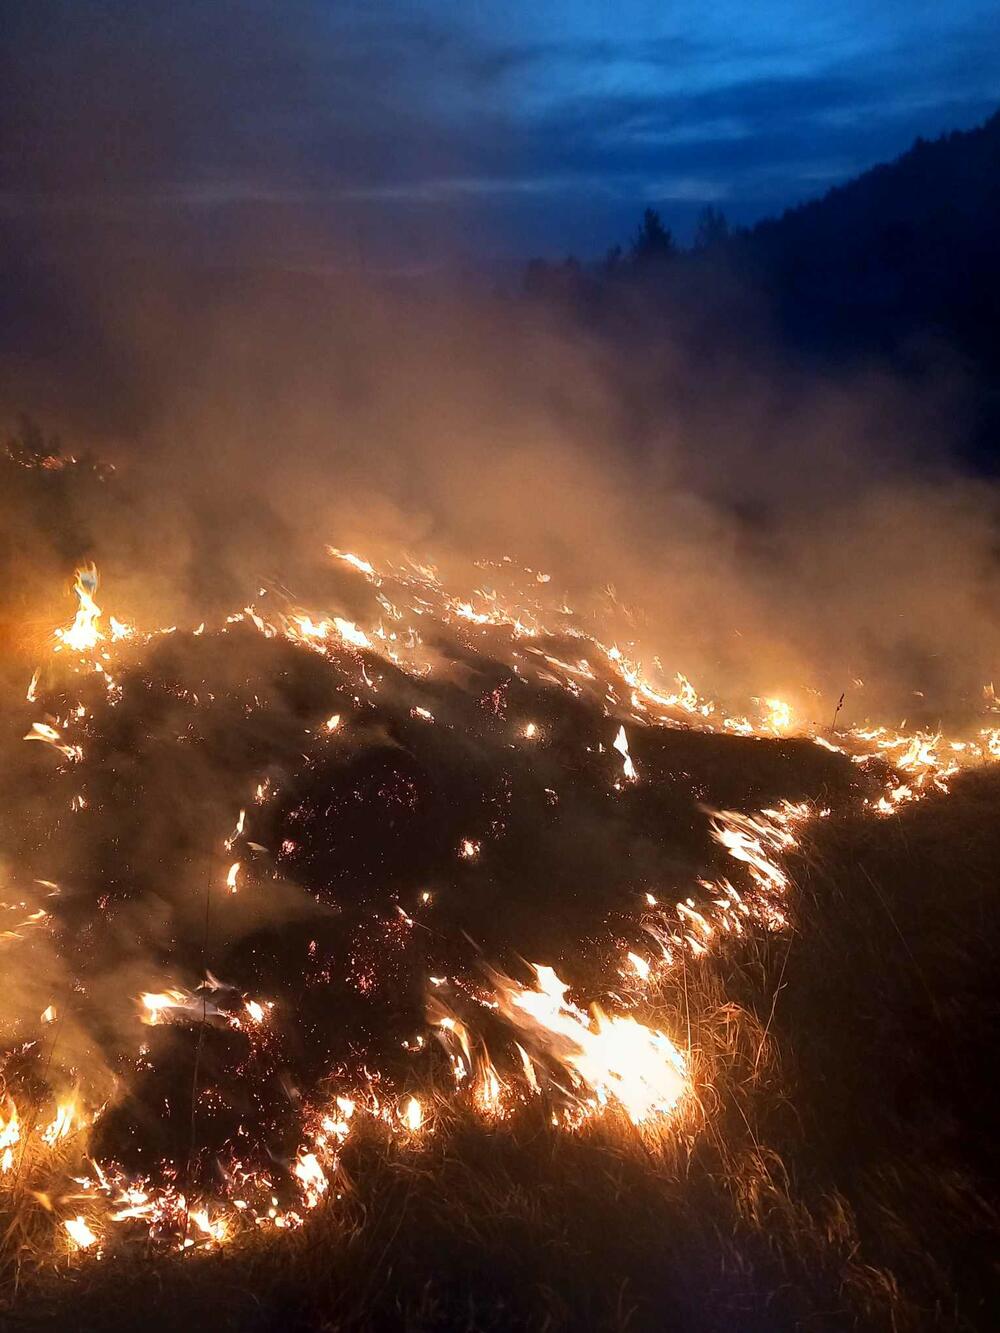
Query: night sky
x=470, y=130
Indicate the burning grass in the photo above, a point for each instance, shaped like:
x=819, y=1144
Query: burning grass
x=358, y=946
x=831, y=1168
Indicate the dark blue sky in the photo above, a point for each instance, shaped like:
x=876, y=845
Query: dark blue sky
x=464, y=128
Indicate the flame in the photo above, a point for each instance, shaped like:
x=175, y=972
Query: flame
x=80, y=1233
x=621, y=745
x=640, y=966
x=66, y=1118
x=350, y=633
x=43, y=731
x=10, y=1134
x=778, y=715
x=83, y=634
x=311, y=1176
x=583, y=1058
x=350, y=558
x=237, y=831
x=610, y=1059
x=216, y=1230
x=174, y=1006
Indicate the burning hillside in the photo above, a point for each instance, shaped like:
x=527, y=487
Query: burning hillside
x=498, y=739
x=272, y=875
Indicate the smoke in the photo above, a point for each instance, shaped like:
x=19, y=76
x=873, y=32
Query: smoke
x=763, y=529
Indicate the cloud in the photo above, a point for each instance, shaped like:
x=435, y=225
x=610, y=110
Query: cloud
x=489, y=115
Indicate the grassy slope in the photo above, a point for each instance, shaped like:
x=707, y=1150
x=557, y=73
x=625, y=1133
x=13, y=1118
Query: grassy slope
x=837, y=1174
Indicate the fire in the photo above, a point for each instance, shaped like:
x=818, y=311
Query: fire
x=157, y=1005
x=612, y=1059
x=778, y=715
x=66, y=1118
x=83, y=634
x=10, y=1134
x=80, y=1233
x=304, y=627
x=640, y=966
x=43, y=731
x=757, y=841
x=237, y=831
x=311, y=1176
x=175, y=1006
x=593, y=1060
x=216, y=1230
x=349, y=558
x=350, y=633
x=583, y=1058
x=487, y=1088
x=621, y=745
